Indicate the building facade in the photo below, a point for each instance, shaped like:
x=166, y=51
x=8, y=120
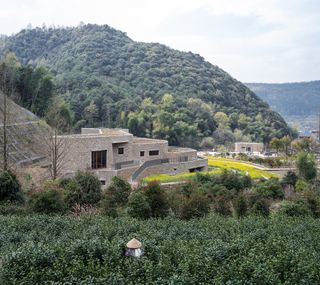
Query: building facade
x=249, y=147
x=116, y=152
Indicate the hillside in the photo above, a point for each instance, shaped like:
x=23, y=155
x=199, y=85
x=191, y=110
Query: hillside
x=26, y=134
x=110, y=80
x=296, y=102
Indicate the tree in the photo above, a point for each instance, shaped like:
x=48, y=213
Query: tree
x=157, y=200
x=120, y=190
x=138, y=206
x=275, y=144
x=89, y=187
x=285, y=144
x=306, y=165
x=222, y=120
x=207, y=143
x=7, y=87
x=59, y=118
x=304, y=144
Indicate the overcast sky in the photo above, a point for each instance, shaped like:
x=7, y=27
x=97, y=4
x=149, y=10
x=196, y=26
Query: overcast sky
x=253, y=40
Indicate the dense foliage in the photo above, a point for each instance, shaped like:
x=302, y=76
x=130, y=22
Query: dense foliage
x=212, y=250
x=10, y=189
x=110, y=80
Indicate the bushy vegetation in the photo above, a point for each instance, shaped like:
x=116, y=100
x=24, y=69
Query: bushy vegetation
x=212, y=250
x=10, y=189
x=155, y=91
x=239, y=228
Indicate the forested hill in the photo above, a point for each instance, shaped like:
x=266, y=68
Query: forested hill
x=111, y=80
x=298, y=101
x=290, y=99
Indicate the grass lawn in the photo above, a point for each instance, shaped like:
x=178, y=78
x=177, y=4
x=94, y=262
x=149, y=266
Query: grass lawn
x=219, y=164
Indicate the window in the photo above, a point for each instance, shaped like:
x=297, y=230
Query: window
x=153, y=152
x=142, y=153
x=99, y=159
x=103, y=182
x=120, y=150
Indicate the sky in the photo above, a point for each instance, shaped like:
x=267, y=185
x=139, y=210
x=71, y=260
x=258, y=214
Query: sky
x=253, y=40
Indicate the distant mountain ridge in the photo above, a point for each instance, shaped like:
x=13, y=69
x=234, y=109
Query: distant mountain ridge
x=297, y=102
x=106, y=77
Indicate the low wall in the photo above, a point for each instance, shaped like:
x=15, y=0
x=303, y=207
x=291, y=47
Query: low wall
x=174, y=168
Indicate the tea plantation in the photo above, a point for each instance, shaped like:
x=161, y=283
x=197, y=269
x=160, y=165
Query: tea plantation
x=42, y=249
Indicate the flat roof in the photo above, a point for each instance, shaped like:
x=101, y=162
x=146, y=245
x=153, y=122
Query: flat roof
x=248, y=143
x=100, y=133
x=138, y=140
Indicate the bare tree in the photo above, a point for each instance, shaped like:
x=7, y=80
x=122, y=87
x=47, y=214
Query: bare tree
x=7, y=88
x=59, y=119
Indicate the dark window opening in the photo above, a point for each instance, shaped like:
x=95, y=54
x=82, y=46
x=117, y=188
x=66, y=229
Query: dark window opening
x=103, y=182
x=120, y=150
x=153, y=152
x=99, y=159
x=142, y=153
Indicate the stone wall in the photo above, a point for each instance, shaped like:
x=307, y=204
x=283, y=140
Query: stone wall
x=174, y=168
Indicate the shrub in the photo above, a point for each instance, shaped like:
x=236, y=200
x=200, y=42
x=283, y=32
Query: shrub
x=290, y=178
x=48, y=202
x=313, y=203
x=89, y=186
x=72, y=194
x=294, y=209
x=301, y=185
x=157, y=200
x=10, y=189
x=231, y=180
x=119, y=190
x=9, y=208
x=108, y=206
x=269, y=189
x=195, y=207
x=138, y=206
x=221, y=206
x=240, y=206
x=261, y=208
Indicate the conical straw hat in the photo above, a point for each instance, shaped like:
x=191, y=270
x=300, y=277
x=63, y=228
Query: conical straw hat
x=134, y=244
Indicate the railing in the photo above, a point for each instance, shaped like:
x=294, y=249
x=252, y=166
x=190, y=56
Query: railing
x=120, y=165
x=179, y=159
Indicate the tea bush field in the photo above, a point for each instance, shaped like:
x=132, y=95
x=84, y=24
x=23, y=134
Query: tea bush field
x=41, y=249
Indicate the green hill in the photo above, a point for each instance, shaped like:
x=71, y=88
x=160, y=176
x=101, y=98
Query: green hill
x=297, y=102
x=111, y=80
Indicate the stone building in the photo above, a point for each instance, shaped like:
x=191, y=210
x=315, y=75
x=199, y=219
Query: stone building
x=249, y=147
x=116, y=152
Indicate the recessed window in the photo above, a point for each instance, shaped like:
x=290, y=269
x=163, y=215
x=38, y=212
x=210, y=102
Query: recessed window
x=153, y=152
x=99, y=159
x=120, y=150
x=103, y=182
x=142, y=153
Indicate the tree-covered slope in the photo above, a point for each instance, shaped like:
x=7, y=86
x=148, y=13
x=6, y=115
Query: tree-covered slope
x=111, y=80
x=297, y=102
x=290, y=99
